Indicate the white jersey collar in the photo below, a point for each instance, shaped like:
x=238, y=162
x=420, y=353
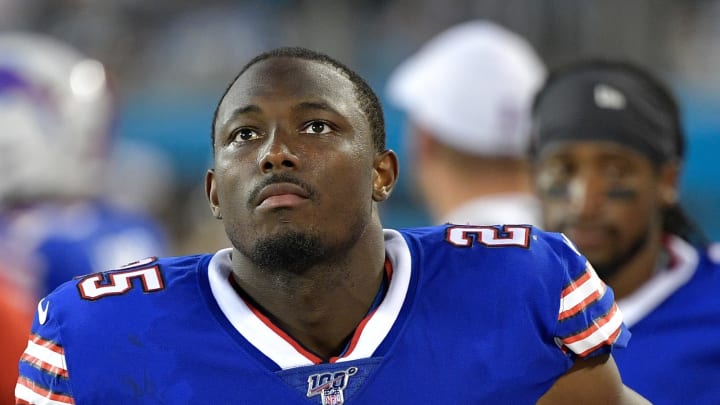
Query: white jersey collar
x=280, y=350
x=664, y=283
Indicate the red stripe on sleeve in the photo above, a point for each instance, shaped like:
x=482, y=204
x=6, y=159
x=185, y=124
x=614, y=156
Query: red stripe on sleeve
x=46, y=367
x=575, y=284
x=44, y=392
x=40, y=341
x=580, y=306
x=597, y=324
x=609, y=341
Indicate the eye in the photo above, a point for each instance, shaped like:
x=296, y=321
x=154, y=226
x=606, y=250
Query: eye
x=244, y=134
x=316, y=128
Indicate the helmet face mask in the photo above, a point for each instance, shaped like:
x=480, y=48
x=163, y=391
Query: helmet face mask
x=55, y=116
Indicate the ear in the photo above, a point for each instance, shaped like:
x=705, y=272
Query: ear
x=385, y=174
x=669, y=180
x=211, y=193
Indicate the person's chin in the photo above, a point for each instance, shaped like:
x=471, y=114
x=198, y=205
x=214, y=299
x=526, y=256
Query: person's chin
x=281, y=230
x=599, y=255
x=287, y=250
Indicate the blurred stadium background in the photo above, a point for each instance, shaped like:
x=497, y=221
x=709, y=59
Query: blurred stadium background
x=171, y=59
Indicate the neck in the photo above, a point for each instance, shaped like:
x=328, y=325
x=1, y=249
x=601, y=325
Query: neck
x=638, y=269
x=321, y=306
x=446, y=188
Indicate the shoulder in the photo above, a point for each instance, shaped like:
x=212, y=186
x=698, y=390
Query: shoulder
x=535, y=274
x=109, y=307
x=520, y=255
x=82, y=309
x=141, y=281
x=509, y=242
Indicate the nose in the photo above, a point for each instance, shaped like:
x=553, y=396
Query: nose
x=277, y=154
x=585, y=197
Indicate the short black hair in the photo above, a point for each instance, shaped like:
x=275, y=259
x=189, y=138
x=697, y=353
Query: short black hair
x=366, y=97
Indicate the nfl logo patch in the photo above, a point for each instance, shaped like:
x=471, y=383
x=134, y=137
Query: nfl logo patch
x=332, y=396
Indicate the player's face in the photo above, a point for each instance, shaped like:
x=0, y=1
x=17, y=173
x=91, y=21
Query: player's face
x=606, y=198
x=294, y=160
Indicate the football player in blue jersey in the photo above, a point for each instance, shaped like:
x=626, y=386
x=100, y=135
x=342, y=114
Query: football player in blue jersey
x=608, y=148
x=316, y=303
x=56, y=137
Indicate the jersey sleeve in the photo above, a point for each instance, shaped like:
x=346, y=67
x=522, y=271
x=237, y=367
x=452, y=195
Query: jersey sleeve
x=43, y=374
x=589, y=321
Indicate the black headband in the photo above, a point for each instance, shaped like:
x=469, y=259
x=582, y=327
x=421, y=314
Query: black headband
x=609, y=103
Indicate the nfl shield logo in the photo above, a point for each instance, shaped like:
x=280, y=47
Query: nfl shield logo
x=332, y=396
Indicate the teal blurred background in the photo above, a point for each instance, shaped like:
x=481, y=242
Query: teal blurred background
x=171, y=60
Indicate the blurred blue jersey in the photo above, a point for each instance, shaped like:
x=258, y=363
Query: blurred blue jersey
x=472, y=314
x=675, y=320
x=64, y=241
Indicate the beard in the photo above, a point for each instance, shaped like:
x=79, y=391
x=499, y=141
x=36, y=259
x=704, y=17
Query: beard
x=605, y=270
x=296, y=252
x=290, y=252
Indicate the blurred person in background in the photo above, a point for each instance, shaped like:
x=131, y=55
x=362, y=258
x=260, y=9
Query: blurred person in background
x=608, y=150
x=56, y=135
x=467, y=94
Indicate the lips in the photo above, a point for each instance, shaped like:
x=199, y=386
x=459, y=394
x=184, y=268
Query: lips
x=281, y=195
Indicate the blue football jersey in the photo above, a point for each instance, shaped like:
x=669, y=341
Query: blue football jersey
x=472, y=314
x=63, y=241
x=675, y=320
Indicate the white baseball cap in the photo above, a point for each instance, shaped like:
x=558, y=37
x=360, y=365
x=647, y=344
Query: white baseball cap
x=472, y=86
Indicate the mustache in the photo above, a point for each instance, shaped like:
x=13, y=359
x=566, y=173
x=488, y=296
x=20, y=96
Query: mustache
x=280, y=178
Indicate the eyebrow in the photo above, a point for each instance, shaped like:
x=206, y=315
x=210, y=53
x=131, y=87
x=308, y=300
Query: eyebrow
x=252, y=108
x=314, y=105
x=304, y=106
